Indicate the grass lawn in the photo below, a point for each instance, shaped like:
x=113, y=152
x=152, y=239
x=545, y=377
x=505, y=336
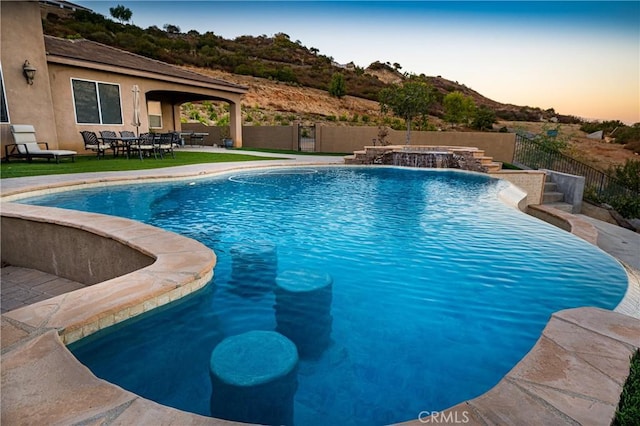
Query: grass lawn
x=628, y=412
x=91, y=163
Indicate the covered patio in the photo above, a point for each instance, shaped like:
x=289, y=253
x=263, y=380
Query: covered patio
x=78, y=84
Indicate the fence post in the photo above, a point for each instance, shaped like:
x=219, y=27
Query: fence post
x=295, y=136
x=318, y=136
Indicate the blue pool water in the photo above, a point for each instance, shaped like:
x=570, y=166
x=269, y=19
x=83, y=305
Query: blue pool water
x=439, y=289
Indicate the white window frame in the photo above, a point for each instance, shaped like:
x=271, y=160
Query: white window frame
x=97, y=91
x=4, y=96
x=154, y=115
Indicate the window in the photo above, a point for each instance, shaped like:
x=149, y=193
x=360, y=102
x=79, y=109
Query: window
x=4, y=112
x=154, y=109
x=96, y=103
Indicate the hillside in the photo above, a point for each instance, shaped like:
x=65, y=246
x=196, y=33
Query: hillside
x=288, y=81
x=275, y=58
x=274, y=103
x=271, y=102
x=289, y=102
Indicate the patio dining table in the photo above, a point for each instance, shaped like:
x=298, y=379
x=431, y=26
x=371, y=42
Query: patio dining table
x=124, y=142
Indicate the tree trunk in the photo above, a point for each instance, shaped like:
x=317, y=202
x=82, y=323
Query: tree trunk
x=408, y=141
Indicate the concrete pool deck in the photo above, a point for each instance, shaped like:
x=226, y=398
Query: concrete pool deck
x=573, y=375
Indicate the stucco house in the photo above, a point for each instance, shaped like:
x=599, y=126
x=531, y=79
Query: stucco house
x=83, y=85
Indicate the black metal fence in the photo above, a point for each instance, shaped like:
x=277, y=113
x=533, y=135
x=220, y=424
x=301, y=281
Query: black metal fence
x=598, y=185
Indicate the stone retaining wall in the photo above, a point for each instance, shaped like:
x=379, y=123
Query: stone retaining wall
x=66, y=251
x=167, y=266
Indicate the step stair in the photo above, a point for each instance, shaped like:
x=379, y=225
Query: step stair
x=485, y=161
x=550, y=186
x=494, y=166
x=565, y=207
x=552, y=197
x=358, y=157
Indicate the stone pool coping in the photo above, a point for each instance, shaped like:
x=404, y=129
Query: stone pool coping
x=181, y=266
x=573, y=374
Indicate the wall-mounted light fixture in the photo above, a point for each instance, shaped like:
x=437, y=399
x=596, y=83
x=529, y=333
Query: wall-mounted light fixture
x=29, y=72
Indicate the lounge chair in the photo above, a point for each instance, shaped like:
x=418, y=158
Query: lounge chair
x=93, y=143
x=27, y=146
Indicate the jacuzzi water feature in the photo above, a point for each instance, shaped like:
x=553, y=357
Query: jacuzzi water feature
x=438, y=288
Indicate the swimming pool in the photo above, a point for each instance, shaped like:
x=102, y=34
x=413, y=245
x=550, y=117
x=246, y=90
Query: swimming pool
x=438, y=288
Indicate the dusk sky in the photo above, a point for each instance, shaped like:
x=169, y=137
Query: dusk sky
x=579, y=57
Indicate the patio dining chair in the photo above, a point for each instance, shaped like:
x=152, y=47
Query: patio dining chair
x=145, y=145
x=93, y=143
x=164, y=144
x=128, y=138
x=178, y=141
x=110, y=137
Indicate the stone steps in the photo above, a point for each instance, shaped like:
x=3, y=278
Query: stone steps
x=358, y=157
x=495, y=166
x=549, y=197
x=492, y=166
x=485, y=161
x=565, y=207
x=550, y=186
x=553, y=198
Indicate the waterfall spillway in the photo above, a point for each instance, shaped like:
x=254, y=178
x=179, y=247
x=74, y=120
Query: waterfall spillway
x=429, y=159
x=426, y=156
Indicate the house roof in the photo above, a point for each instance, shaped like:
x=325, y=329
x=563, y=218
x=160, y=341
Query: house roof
x=97, y=53
x=62, y=4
